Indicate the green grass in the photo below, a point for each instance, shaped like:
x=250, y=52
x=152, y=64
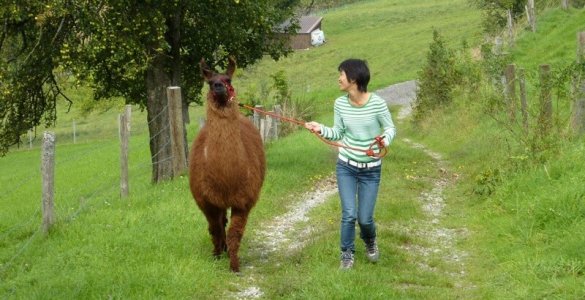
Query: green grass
x=526, y=234
x=393, y=36
x=525, y=241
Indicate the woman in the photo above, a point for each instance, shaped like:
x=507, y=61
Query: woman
x=359, y=118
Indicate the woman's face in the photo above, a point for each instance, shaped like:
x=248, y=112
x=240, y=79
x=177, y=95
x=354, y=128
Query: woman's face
x=344, y=83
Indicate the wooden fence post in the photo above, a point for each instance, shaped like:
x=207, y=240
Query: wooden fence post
x=30, y=138
x=523, y=102
x=578, y=117
x=257, y=116
x=74, y=132
x=510, y=74
x=124, y=130
x=565, y=4
x=263, y=129
x=48, y=177
x=510, y=29
x=177, y=130
x=278, y=112
x=545, y=114
x=531, y=14
x=498, y=46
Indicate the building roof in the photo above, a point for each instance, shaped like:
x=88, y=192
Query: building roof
x=309, y=23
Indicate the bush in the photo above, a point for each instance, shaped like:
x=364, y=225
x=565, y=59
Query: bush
x=436, y=80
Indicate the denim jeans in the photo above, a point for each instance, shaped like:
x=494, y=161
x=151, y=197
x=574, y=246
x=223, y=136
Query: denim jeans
x=358, y=190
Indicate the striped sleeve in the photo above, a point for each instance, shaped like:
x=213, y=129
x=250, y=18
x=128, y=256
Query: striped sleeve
x=357, y=127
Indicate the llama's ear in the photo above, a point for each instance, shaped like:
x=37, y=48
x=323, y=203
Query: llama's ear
x=231, y=66
x=205, y=71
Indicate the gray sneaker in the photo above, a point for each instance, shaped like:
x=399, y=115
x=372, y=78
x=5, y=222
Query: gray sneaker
x=372, y=250
x=346, y=260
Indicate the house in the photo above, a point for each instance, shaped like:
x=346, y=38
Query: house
x=310, y=28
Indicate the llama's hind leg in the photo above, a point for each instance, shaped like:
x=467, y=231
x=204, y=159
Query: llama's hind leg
x=216, y=219
x=238, y=222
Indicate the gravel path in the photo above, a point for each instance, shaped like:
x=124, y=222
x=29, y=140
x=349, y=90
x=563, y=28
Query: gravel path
x=275, y=235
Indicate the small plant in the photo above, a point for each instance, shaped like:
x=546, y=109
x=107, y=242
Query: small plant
x=486, y=182
x=295, y=108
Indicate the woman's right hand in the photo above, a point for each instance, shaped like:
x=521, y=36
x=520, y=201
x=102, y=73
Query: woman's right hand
x=313, y=127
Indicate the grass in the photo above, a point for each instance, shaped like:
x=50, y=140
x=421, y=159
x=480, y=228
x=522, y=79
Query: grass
x=525, y=234
x=525, y=240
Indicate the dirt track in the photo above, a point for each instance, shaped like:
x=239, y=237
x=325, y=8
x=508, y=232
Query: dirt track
x=276, y=233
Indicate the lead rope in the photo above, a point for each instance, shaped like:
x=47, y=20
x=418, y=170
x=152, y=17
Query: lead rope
x=369, y=152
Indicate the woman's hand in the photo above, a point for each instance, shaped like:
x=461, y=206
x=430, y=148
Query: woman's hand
x=313, y=127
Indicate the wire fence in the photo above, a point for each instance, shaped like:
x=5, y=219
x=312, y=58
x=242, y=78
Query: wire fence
x=21, y=224
x=95, y=167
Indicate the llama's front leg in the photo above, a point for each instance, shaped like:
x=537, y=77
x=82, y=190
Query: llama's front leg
x=238, y=222
x=216, y=219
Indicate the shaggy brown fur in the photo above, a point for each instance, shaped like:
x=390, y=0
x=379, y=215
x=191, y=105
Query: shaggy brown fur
x=227, y=165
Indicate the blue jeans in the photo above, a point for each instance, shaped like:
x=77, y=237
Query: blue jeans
x=358, y=190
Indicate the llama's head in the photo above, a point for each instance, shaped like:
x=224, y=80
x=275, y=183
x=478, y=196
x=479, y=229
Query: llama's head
x=220, y=85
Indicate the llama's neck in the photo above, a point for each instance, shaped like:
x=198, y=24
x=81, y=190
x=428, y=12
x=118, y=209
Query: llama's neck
x=224, y=123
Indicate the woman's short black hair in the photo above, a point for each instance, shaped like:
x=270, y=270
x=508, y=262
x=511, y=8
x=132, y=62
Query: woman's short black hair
x=356, y=70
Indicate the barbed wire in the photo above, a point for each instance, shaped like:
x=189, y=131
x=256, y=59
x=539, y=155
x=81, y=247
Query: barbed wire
x=21, y=250
x=161, y=131
x=22, y=224
x=158, y=115
x=105, y=187
x=18, y=186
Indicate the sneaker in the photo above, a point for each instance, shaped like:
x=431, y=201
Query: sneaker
x=346, y=260
x=372, y=250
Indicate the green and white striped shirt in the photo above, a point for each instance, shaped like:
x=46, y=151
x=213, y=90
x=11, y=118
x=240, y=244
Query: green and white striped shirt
x=358, y=126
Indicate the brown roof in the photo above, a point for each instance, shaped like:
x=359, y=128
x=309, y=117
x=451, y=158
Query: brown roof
x=309, y=23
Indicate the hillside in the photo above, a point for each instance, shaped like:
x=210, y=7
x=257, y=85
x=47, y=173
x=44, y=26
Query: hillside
x=439, y=237
x=526, y=212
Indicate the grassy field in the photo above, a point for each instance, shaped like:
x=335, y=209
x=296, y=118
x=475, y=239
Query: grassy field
x=524, y=241
x=527, y=232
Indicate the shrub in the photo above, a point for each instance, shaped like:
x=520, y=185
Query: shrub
x=437, y=79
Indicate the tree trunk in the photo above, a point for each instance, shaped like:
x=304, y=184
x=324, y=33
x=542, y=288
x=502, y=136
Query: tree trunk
x=174, y=39
x=157, y=82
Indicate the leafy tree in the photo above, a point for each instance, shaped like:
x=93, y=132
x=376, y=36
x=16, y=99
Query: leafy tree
x=496, y=13
x=128, y=48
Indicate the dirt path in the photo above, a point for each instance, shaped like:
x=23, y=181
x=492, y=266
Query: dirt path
x=437, y=240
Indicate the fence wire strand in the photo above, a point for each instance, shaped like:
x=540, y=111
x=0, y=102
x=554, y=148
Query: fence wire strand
x=159, y=114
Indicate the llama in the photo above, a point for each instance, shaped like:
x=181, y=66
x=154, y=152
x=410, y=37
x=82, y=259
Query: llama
x=226, y=165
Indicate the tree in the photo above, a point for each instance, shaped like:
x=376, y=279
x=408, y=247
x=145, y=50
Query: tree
x=436, y=80
x=496, y=13
x=128, y=48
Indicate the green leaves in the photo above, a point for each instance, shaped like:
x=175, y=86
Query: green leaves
x=110, y=44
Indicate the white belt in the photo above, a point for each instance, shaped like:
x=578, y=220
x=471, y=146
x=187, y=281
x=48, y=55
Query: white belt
x=360, y=165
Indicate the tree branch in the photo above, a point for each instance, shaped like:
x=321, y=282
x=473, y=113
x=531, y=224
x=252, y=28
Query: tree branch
x=35, y=46
x=58, y=30
x=4, y=29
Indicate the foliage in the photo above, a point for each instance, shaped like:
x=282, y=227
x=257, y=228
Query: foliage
x=437, y=79
x=154, y=245
x=96, y=42
x=486, y=182
x=296, y=108
x=310, y=6
x=495, y=13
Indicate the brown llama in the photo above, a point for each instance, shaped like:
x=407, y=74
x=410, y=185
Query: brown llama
x=226, y=165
